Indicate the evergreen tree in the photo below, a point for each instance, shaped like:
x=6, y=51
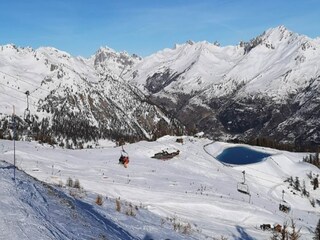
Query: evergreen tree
x=317, y=160
x=304, y=190
x=315, y=183
x=317, y=232
x=297, y=184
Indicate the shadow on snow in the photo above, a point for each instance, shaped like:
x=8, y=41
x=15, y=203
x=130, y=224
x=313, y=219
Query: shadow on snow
x=243, y=234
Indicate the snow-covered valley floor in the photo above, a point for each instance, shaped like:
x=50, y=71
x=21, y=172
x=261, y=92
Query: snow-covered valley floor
x=192, y=192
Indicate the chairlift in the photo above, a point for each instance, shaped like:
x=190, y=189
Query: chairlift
x=284, y=206
x=242, y=186
x=124, y=158
x=27, y=115
x=124, y=153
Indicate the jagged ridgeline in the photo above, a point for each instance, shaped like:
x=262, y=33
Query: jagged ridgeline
x=75, y=100
x=267, y=88
x=264, y=90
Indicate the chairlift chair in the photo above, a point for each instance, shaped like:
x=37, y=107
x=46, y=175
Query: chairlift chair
x=124, y=158
x=27, y=115
x=123, y=152
x=242, y=186
x=284, y=206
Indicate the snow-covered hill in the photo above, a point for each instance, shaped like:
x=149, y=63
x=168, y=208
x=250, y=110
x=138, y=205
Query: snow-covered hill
x=268, y=87
x=33, y=210
x=192, y=193
x=75, y=100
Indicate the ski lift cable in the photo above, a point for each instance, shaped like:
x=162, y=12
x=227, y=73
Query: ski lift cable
x=20, y=99
x=250, y=190
x=17, y=90
x=123, y=151
x=12, y=88
x=274, y=201
x=23, y=100
x=267, y=180
x=19, y=79
x=264, y=172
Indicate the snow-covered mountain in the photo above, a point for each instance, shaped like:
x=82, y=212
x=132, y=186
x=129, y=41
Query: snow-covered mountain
x=73, y=100
x=268, y=87
x=191, y=196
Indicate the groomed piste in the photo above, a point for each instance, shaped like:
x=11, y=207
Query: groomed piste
x=190, y=196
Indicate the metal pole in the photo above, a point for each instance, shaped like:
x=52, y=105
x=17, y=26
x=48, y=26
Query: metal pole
x=27, y=93
x=244, y=176
x=14, y=143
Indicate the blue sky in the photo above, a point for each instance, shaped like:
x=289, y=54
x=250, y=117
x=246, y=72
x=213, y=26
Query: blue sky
x=143, y=27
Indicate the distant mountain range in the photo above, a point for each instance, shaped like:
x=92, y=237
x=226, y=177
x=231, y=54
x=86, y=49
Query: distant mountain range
x=267, y=87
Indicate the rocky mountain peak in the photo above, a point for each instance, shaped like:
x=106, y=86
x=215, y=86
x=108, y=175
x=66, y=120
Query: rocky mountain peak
x=109, y=62
x=107, y=55
x=190, y=42
x=53, y=52
x=278, y=34
x=271, y=39
x=209, y=87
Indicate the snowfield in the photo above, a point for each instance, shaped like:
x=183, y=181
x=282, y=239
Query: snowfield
x=191, y=196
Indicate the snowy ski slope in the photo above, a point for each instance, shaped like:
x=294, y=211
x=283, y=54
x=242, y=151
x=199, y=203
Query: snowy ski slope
x=193, y=188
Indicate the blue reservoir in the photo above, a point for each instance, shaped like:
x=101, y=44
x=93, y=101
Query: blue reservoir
x=241, y=155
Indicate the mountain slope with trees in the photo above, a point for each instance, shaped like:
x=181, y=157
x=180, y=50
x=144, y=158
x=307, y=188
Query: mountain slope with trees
x=73, y=100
